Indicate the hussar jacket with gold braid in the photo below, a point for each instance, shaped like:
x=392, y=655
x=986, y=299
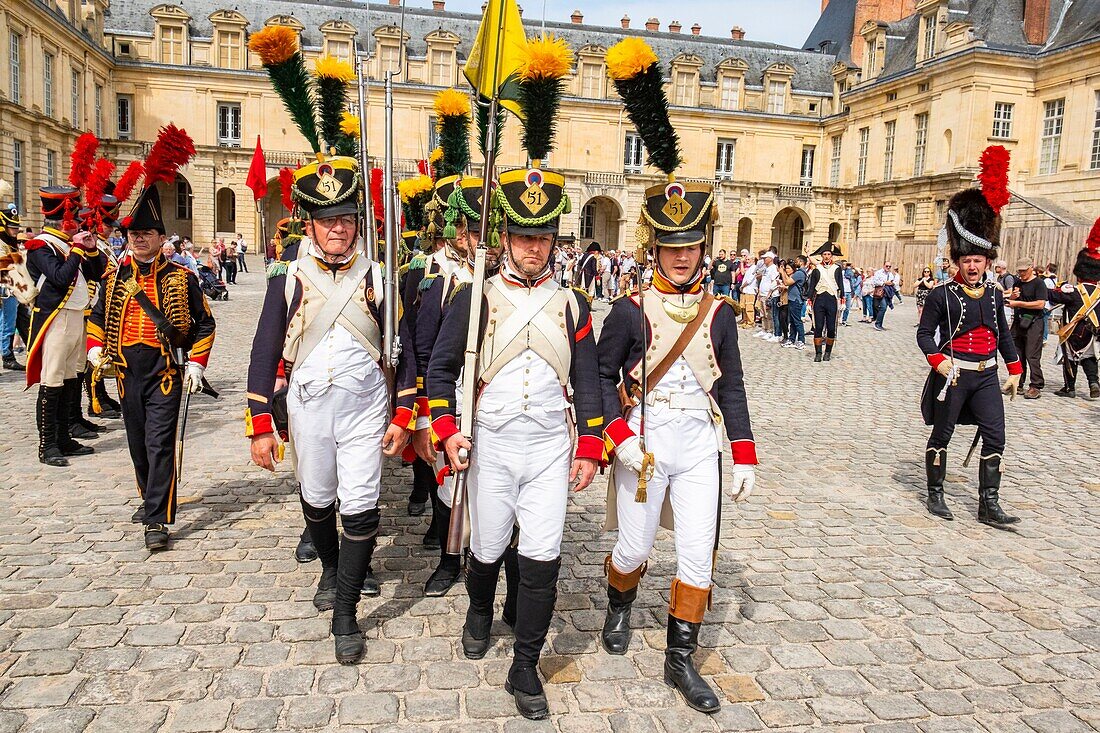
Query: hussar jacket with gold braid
x=118, y=321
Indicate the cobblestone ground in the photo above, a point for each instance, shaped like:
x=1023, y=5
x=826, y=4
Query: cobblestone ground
x=840, y=604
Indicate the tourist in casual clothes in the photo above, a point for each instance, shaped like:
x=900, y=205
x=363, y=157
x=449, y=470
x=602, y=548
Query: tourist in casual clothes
x=886, y=283
x=794, y=278
x=925, y=283
x=1028, y=299
x=749, y=289
x=721, y=273
x=867, y=290
x=242, y=249
x=769, y=294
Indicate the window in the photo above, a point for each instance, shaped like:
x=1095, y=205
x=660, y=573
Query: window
x=864, y=144
x=723, y=163
x=229, y=125
x=1002, y=120
x=888, y=155
x=684, y=89
x=442, y=64
x=390, y=58
x=891, y=96
x=588, y=221
x=77, y=105
x=923, y=87
x=910, y=214
x=777, y=97
x=51, y=168
x=929, y=22
x=920, y=144
x=17, y=182
x=124, y=49
x=229, y=49
x=15, y=60
x=731, y=92
x=171, y=44
x=99, y=110
x=633, y=153
x=592, y=81
x=872, y=59
x=834, y=163
x=941, y=204
x=1050, y=146
x=125, y=105
x=340, y=50
x=1094, y=161
x=183, y=199
x=47, y=84
x=879, y=211
x=806, y=174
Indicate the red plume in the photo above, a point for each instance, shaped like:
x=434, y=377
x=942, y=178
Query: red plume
x=1092, y=244
x=172, y=149
x=286, y=182
x=128, y=180
x=376, y=194
x=97, y=187
x=994, y=177
x=83, y=158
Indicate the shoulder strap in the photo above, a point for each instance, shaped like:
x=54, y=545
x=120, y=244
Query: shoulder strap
x=681, y=343
x=339, y=297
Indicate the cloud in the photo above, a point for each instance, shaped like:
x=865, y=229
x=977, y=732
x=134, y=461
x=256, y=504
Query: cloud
x=786, y=22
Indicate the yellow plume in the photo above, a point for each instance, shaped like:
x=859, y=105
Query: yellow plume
x=451, y=103
x=435, y=156
x=274, y=44
x=349, y=124
x=333, y=68
x=545, y=58
x=628, y=58
x=410, y=188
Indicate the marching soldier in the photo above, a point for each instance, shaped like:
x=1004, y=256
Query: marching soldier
x=826, y=286
x=64, y=260
x=671, y=351
x=961, y=329
x=322, y=317
x=105, y=215
x=1081, y=334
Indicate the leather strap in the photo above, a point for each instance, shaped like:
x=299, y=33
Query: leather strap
x=658, y=372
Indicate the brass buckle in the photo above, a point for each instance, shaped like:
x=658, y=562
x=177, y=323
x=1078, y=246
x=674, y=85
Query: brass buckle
x=981, y=365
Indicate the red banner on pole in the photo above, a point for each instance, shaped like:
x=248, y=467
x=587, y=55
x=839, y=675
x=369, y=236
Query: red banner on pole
x=257, y=173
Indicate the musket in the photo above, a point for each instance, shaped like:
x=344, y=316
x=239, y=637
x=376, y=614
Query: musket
x=646, y=473
x=391, y=343
x=364, y=166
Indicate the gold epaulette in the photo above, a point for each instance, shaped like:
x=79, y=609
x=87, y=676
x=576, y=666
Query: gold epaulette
x=456, y=290
x=583, y=292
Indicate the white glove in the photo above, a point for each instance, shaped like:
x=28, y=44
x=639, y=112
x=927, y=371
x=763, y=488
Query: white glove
x=629, y=453
x=95, y=355
x=945, y=367
x=1011, y=386
x=744, y=479
x=192, y=381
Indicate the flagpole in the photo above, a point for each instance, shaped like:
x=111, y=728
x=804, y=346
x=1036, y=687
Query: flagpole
x=491, y=134
x=263, y=227
x=369, y=231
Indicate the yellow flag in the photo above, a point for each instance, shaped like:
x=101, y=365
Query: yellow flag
x=493, y=64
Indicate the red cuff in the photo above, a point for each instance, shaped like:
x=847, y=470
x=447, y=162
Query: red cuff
x=618, y=431
x=1015, y=367
x=281, y=371
x=444, y=427
x=262, y=423
x=589, y=446
x=744, y=452
x=93, y=343
x=422, y=409
x=936, y=359
x=201, y=360
x=402, y=417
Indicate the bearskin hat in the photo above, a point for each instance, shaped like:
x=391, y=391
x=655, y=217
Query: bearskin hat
x=973, y=228
x=1087, y=267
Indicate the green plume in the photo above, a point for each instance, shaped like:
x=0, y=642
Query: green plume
x=292, y=84
x=646, y=104
x=483, y=124
x=454, y=138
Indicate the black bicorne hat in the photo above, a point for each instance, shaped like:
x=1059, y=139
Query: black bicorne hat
x=827, y=247
x=146, y=213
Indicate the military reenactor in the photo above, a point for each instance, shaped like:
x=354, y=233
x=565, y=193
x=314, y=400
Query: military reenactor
x=322, y=318
x=826, y=286
x=588, y=269
x=1080, y=336
x=537, y=345
x=64, y=260
x=961, y=331
x=672, y=379
x=103, y=215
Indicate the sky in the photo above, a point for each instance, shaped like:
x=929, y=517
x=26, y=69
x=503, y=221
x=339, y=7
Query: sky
x=787, y=22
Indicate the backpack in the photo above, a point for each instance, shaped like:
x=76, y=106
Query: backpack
x=804, y=287
x=18, y=278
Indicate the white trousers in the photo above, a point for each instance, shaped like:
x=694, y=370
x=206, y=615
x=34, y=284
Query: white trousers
x=64, y=348
x=337, y=437
x=519, y=475
x=686, y=466
x=446, y=489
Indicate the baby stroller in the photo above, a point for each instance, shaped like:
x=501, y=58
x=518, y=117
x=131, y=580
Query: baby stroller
x=212, y=286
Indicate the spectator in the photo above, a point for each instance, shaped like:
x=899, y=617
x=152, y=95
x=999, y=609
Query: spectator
x=269, y=252
x=943, y=272
x=867, y=291
x=117, y=242
x=605, y=277
x=1029, y=298
x=230, y=261
x=721, y=273
x=885, y=283
x=749, y=290
x=626, y=273
x=794, y=278
x=769, y=294
x=847, y=274
x=924, y=286
x=1050, y=278
x=242, y=248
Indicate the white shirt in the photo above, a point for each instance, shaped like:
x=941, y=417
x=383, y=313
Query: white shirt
x=769, y=281
x=526, y=385
x=882, y=277
x=748, y=281
x=339, y=360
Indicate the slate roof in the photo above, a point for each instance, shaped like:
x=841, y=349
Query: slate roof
x=833, y=33
x=812, y=70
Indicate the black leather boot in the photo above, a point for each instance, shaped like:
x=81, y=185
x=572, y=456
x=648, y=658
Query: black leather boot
x=511, y=580
x=321, y=521
x=46, y=416
x=305, y=551
x=538, y=592
x=682, y=640
x=817, y=349
x=935, y=467
x=70, y=394
x=481, y=586
x=356, y=550
x=828, y=350
x=12, y=365
x=79, y=427
x=449, y=568
x=109, y=409
x=989, y=488
x=622, y=590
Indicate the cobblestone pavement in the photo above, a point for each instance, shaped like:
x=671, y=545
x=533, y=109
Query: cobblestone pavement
x=840, y=604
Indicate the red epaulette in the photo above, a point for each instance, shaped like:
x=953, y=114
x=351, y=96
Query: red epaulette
x=32, y=244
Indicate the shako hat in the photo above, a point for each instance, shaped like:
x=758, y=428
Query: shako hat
x=533, y=200
x=1087, y=267
x=328, y=187
x=9, y=212
x=59, y=200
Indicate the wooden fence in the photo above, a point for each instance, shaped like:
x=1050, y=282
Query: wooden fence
x=1041, y=244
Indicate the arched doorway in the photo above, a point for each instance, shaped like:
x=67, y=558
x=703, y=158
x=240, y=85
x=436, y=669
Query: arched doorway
x=744, y=234
x=788, y=231
x=225, y=212
x=834, y=232
x=273, y=208
x=600, y=222
x=176, y=204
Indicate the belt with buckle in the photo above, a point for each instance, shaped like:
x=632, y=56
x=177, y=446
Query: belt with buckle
x=977, y=366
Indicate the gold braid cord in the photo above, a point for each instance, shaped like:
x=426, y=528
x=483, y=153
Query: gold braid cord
x=115, y=299
x=173, y=301
x=173, y=304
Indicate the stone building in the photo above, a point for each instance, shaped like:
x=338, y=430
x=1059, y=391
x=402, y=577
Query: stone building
x=861, y=135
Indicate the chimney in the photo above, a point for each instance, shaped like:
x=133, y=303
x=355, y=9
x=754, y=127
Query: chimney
x=652, y=24
x=577, y=17
x=674, y=27
x=824, y=4
x=696, y=29
x=625, y=21
x=439, y=5
x=395, y=3
x=737, y=33
x=1036, y=21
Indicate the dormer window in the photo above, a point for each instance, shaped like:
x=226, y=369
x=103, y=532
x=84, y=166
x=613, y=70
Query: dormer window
x=928, y=23
x=777, y=86
x=685, y=80
x=592, y=72
x=339, y=40
x=442, y=47
x=388, y=41
x=229, y=28
x=171, y=34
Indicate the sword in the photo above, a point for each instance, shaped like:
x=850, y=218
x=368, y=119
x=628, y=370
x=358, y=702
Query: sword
x=180, y=435
x=973, y=447
x=646, y=473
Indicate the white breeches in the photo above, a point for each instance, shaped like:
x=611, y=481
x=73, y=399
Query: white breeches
x=687, y=468
x=519, y=475
x=446, y=489
x=337, y=437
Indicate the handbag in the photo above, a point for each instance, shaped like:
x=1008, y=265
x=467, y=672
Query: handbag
x=879, y=291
